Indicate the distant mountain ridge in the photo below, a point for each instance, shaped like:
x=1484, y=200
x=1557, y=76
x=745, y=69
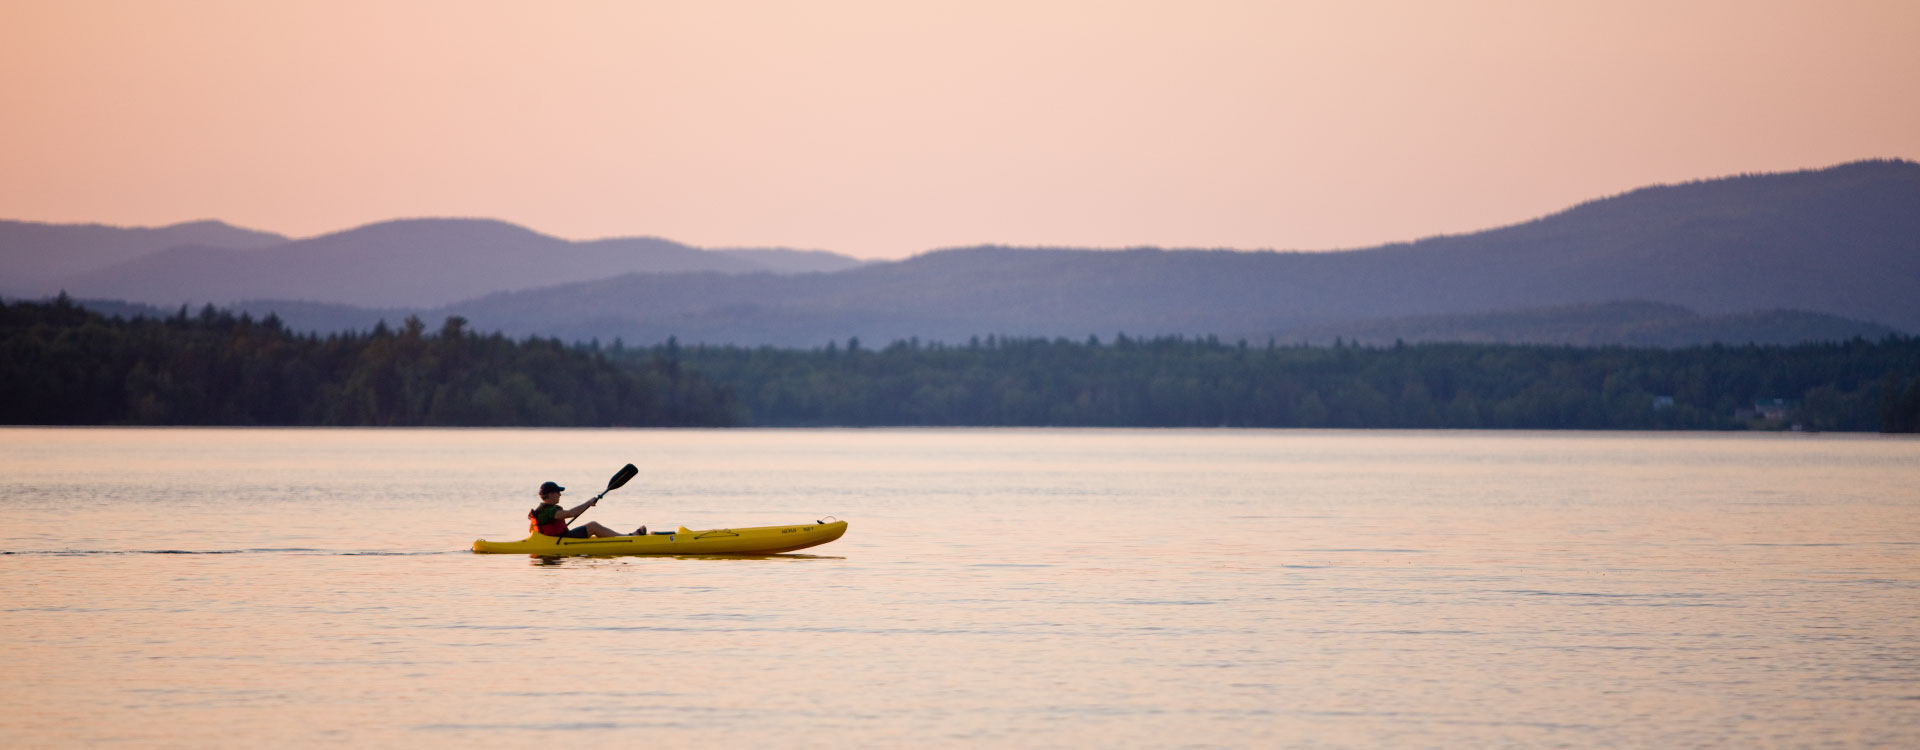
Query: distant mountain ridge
x=404, y=262
x=1842, y=242
x=1821, y=253
x=787, y=260
x=33, y=254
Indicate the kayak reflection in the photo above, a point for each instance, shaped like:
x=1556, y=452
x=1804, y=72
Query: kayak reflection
x=549, y=560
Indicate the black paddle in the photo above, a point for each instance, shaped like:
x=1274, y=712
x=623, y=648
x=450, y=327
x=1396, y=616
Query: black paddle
x=619, y=478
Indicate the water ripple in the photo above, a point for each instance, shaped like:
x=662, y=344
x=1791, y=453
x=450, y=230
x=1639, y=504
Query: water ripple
x=260, y=551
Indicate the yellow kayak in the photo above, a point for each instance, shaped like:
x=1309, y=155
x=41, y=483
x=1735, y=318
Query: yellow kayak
x=760, y=540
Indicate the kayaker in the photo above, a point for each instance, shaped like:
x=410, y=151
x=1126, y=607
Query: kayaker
x=550, y=519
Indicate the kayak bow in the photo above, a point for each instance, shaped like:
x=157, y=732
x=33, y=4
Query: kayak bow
x=759, y=540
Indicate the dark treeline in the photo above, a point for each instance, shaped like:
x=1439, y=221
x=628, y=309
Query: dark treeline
x=60, y=364
x=65, y=365
x=1178, y=382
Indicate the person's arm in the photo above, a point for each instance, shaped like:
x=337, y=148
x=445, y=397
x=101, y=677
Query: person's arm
x=577, y=510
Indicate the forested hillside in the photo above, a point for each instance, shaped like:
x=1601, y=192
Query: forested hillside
x=60, y=364
x=1174, y=382
x=1623, y=323
x=66, y=365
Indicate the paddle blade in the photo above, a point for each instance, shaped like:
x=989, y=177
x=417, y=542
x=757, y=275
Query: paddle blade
x=626, y=472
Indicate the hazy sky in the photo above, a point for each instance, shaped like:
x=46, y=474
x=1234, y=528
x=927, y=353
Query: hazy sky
x=887, y=128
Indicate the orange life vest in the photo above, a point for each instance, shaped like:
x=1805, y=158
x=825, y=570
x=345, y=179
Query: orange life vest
x=556, y=527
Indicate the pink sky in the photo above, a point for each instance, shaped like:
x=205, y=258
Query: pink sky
x=887, y=128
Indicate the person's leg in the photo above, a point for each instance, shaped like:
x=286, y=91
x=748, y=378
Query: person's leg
x=593, y=528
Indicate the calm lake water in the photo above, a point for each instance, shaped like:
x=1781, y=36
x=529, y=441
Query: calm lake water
x=1028, y=588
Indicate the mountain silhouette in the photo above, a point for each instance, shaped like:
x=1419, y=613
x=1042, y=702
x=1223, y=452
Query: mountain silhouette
x=33, y=254
x=1752, y=258
x=1842, y=242
x=406, y=262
